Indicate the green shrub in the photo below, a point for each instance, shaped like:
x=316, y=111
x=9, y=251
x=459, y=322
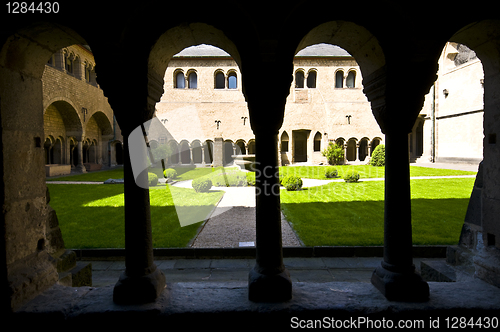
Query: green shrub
x=292, y=183
x=331, y=172
x=378, y=156
x=202, y=184
x=250, y=178
x=351, y=176
x=152, y=179
x=334, y=153
x=170, y=173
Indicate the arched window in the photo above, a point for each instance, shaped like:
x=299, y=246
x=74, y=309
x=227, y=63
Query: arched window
x=219, y=80
x=351, y=79
x=193, y=80
x=311, y=79
x=317, y=141
x=339, y=79
x=68, y=64
x=179, y=80
x=299, y=79
x=232, y=81
x=284, y=142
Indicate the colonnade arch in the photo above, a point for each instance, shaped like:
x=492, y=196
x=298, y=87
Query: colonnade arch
x=384, y=105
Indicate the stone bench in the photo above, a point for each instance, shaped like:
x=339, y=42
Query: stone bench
x=92, y=167
x=57, y=169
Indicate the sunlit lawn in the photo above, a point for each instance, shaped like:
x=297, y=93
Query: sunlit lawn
x=365, y=171
x=337, y=214
x=352, y=214
x=92, y=216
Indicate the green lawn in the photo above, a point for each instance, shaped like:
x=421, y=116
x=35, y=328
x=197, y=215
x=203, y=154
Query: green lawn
x=337, y=214
x=92, y=216
x=365, y=171
x=352, y=214
x=311, y=172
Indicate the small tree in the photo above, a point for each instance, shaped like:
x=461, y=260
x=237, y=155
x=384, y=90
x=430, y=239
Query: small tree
x=378, y=156
x=334, y=153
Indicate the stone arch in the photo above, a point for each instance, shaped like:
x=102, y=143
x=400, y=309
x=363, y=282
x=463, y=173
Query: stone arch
x=232, y=79
x=363, y=150
x=317, y=141
x=241, y=147
x=483, y=38
x=179, y=79
x=251, y=146
x=365, y=47
x=351, y=149
x=339, y=78
x=103, y=122
x=174, y=157
x=312, y=78
x=375, y=141
x=299, y=78
x=185, y=152
x=197, y=156
x=350, y=81
x=175, y=40
x=118, y=152
x=192, y=79
x=66, y=110
x=284, y=141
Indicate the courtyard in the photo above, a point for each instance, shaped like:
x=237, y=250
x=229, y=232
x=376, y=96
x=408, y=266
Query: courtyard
x=325, y=212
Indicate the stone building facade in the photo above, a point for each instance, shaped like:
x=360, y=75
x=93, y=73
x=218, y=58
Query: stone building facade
x=450, y=126
x=203, y=100
x=80, y=131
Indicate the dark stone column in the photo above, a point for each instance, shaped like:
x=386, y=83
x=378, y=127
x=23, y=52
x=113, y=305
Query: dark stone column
x=269, y=280
x=141, y=282
x=396, y=277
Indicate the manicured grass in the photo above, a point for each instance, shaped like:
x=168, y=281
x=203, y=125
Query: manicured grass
x=337, y=214
x=92, y=216
x=352, y=214
x=310, y=172
x=365, y=171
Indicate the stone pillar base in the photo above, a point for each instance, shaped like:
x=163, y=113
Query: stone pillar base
x=400, y=286
x=269, y=288
x=139, y=289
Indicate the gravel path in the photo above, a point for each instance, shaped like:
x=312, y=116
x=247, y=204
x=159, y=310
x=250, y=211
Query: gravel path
x=228, y=229
x=233, y=221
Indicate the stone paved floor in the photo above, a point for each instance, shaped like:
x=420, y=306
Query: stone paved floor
x=315, y=269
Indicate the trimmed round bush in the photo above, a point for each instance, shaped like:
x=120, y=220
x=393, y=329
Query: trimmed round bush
x=351, y=176
x=334, y=153
x=331, y=172
x=291, y=182
x=170, y=173
x=378, y=156
x=152, y=179
x=202, y=184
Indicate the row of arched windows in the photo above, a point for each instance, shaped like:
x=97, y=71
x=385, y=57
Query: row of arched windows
x=71, y=63
x=190, y=80
x=300, y=79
